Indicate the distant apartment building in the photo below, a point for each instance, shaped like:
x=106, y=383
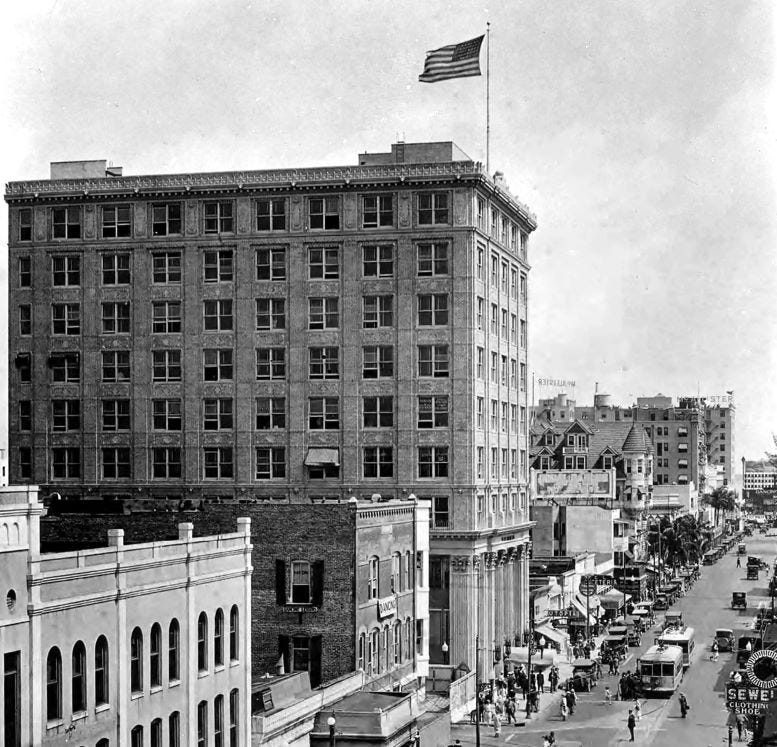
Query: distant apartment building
x=300, y=334
x=123, y=645
x=759, y=475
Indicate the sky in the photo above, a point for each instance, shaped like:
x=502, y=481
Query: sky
x=641, y=134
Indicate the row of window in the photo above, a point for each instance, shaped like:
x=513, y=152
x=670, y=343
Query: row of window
x=218, y=414
x=398, y=576
x=503, y=275
x=501, y=469
x=500, y=227
x=269, y=214
x=382, y=649
x=499, y=370
x=499, y=324
x=218, y=463
x=218, y=364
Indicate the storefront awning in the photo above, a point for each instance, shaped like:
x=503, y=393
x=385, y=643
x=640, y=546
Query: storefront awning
x=613, y=599
x=580, y=607
x=557, y=636
x=320, y=457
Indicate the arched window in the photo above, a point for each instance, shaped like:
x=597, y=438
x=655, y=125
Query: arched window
x=373, y=652
x=136, y=736
x=101, y=671
x=136, y=666
x=360, y=662
x=54, y=685
x=173, y=640
x=104, y=742
x=202, y=723
x=372, y=582
x=202, y=642
x=397, y=631
x=408, y=570
x=155, y=662
x=174, y=729
x=396, y=573
x=234, y=718
x=218, y=638
x=78, y=678
x=234, y=632
x=218, y=721
x=156, y=732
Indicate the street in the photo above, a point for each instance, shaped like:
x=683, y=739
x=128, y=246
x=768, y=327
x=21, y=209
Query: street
x=707, y=606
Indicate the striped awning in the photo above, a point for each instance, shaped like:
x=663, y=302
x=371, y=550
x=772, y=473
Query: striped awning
x=320, y=457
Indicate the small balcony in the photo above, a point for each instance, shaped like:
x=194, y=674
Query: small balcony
x=440, y=521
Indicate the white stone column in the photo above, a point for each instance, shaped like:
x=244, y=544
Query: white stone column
x=463, y=611
x=511, y=611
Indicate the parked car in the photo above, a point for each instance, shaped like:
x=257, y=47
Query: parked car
x=725, y=639
x=583, y=675
x=660, y=603
x=738, y=600
x=742, y=549
x=673, y=620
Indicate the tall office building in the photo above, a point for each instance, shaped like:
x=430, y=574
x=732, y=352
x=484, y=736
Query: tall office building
x=295, y=335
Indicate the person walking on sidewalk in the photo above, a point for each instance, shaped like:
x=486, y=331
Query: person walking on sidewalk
x=571, y=700
x=637, y=710
x=684, y=707
x=564, y=707
x=741, y=720
x=540, y=682
x=631, y=723
x=607, y=695
x=739, y=562
x=715, y=651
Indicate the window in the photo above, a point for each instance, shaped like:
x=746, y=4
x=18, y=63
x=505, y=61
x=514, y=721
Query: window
x=202, y=723
x=378, y=362
x=433, y=208
x=25, y=224
x=513, y=463
x=324, y=263
x=217, y=315
x=479, y=413
x=202, y=642
x=372, y=578
x=480, y=459
x=504, y=417
x=300, y=582
x=324, y=313
x=378, y=261
x=378, y=461
x=270, y=313
x=324, y=413
x=523, y=377
x=25, y=415
x=217, y=414
x=503, y=329
x=373, y=663
x=494, y=223
x=270, y=463
x=432, y=259
x=494, y=414
x=173, y=651
x=433, y=411
x=155, y=655
x=156, y=732
x=396, y=573
x=166, y=414
x=78, y=678
x=433, y=360
x=218, y=721
x=101, y=671
x=218, y=638
x=432, y=461
x=217, y=365
x=440, y=512
x=271, y=263
x=53, y=685
x=166, y=219
x=513, y=373
x=270, y=413
x=115, y=366
x=116, y=318
x=218, y=217
x=116, y=269
x=324, y=213
x=25, y=272
x=116, y=221
x=378, y=311
x=524, y=295
x=479, y=266
x=234, y=718
x=494, y=270
x=166, y=462
x=66, y=270
x=217, y=463
x=66, y=463
x=324, y=363
x=479, y=313
x=523, y=334
x=494, y=319
x=234, y=630
x=25, y=319
x=503, y=371
x=166, y=317
x=513, y=329
x=136, y=661
x=116, y=463
x=25, y=462
x=271, y=214
x=136, y=736
x=479, y=364
x=166, y=365
x=514, y=418
x=66, y=223
x=66, y=319
x=377, y=211
x=217, y=266
x=433, y=309
x=167, y=267
x=271, y=363
x=378, y=412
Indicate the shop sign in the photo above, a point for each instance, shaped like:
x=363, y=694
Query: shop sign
x=749, y=700
x=557, y=613
x=588, y=586
x=387, y=607
x=303, y=608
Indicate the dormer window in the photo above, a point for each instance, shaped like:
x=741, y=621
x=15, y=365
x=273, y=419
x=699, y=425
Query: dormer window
x=570, y=440
x=544, y=462
x=606, y=462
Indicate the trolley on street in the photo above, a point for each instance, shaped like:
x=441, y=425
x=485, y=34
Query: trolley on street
x=661, y=670
x=681, y=637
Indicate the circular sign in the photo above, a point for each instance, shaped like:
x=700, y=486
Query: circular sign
x=762, y=668
x=587, y=586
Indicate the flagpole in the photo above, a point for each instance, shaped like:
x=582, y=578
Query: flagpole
x=488, y=96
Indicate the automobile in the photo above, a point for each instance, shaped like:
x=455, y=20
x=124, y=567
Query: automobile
x=738, y=600
x=583, y=675
x=660, y=603
x=634, y=638
x=673, y=620
x=619, y=630
x=742, y=549
x=616, y=644
x=708, y=558
x=752, y=572
x=724, y=637
x=744, y=650
x=759, y=563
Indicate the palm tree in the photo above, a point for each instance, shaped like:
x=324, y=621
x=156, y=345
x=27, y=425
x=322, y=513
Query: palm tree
x=721, y=499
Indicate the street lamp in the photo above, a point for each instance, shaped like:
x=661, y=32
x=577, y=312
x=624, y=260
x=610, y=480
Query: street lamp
x=444, y=649
x=330, y=722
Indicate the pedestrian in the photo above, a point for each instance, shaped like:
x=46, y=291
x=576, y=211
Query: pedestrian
x=607, y=695
x=564, y=707
x=637, y=710
x=739, y=562
x=715, y=651
x=587, y=651
x=684, y=707
x=571, y=700
x=631, y=723
x=510, y=711
x=540, y=682
x=741, y=720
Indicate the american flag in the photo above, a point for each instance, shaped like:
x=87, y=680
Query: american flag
x=454, y=61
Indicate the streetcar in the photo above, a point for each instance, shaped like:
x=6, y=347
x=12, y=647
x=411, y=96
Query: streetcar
x=681, y=637
x=660, y=670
